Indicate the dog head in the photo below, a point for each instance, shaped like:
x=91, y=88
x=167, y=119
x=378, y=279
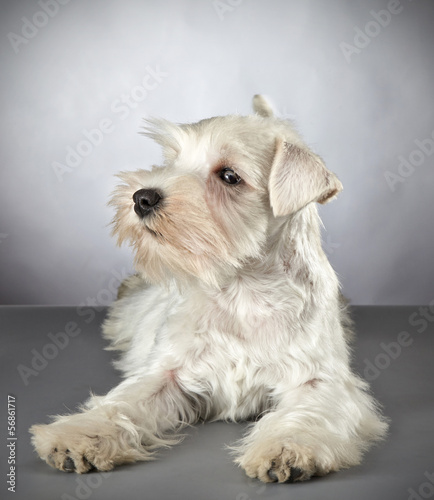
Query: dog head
x=225, y=181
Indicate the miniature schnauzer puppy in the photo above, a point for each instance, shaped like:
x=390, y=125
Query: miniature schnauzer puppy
x=234, y=314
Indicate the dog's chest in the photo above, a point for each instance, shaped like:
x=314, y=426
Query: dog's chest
x=248, y=320
x=248, y=307
x=238, y=340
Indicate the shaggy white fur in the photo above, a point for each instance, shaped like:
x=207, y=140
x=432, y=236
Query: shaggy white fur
x=235, y=312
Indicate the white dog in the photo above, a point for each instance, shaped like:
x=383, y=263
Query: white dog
x=235, y=312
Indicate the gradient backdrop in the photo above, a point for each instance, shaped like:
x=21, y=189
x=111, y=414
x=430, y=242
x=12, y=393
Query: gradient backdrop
x=357, y=77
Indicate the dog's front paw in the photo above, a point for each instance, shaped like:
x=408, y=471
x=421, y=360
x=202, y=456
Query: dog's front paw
x=68, y=450
x=286, y=464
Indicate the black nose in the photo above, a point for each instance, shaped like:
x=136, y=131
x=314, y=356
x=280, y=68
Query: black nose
x=145, y=200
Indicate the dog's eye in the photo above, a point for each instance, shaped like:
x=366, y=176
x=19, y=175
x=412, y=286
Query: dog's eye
x=229, y=176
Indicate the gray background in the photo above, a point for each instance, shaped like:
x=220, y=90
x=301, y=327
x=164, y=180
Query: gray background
x=362, y=112
x=201, y=468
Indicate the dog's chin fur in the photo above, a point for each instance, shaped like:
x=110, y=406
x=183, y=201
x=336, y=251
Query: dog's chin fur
x=235, y=312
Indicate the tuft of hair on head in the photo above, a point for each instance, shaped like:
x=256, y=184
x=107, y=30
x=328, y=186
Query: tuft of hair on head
x=165, y=133
x=261, y=106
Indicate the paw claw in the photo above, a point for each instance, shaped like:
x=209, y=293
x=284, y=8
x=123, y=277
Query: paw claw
x=272, y=475
x=291, y=473
x=295, y=473
x=50, y=460
x=68, y=465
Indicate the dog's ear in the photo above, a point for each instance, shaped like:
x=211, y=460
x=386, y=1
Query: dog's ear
x=261, y=106
x=297, y=178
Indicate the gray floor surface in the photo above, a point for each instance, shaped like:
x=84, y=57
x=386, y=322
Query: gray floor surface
x=394, y=350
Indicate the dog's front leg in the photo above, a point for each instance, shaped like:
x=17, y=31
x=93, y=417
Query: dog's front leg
x=126, y=425
x=316, y=428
